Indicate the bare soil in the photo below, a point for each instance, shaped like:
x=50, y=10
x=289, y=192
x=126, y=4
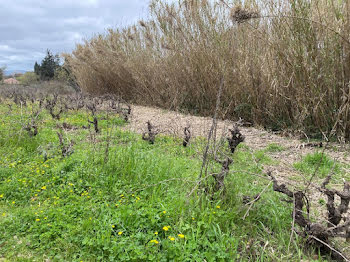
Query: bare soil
x=173, y=123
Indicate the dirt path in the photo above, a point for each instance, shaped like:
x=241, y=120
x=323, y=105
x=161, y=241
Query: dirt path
x=173, y=123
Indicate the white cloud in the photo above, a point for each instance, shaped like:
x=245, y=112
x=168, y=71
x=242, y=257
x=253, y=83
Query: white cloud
x=81, y=20
x=29, y=27
x=4, y=48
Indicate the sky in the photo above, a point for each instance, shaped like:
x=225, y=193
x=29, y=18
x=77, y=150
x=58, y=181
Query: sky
x=29, y=27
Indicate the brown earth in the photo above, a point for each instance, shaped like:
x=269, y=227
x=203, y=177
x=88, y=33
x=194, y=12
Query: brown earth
x=173, y=123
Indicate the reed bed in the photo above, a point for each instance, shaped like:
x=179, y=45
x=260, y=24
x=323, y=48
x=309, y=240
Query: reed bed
x=285, y=64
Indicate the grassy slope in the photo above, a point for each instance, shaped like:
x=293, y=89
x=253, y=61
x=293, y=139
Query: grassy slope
x=82, y=208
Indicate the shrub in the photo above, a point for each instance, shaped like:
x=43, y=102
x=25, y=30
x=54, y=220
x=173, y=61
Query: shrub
x=285, y=63
x=28, y=78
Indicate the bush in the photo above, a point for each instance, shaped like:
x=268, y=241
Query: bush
x=285, y=64
x=28, y=78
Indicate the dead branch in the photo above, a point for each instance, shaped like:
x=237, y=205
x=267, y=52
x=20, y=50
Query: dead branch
x=220, y=177
x=235, y=139
x=66, y=149
x=92, y=108
x=126, y=112
x=252, y=200
x=95, y=123
x=335, y=213
x=151, y=133
x=32, y=126
x=187, y=137
x=317, y=234
x=51, y=106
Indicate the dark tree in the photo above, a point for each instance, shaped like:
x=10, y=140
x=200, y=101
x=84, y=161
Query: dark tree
x=48, y=66
x=37, y=69
x=2, y=73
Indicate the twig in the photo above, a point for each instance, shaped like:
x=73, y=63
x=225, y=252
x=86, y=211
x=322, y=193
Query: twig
x=251, y=203
x=331, y=248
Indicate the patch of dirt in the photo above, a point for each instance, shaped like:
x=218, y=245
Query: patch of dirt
x=173, y=123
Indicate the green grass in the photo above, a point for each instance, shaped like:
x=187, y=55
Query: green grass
x=83, y=208
x=318, y=163
x=274, y=148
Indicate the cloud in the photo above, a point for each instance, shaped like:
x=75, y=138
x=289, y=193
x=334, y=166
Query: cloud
x=29, y=27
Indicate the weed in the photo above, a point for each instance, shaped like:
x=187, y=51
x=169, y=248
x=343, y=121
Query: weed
x=318, y=163
x=89, y=207
x=274, y=148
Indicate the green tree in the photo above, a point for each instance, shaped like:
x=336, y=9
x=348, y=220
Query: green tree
x=2, y=74
x=46, y=71
x=37, y=69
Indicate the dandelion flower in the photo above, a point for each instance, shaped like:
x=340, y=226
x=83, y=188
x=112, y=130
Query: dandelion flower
x=154, y=241
x=2, y=195
x=156, y=233
x=172, y=238
x=181, y=235
x=120, y=233
x=166, y=228
x=164, y=212
x=43, y=188
x=217, y=207
x=113, y=226
x=37, y=220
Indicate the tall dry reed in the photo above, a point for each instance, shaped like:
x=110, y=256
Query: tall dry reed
x=285, y=63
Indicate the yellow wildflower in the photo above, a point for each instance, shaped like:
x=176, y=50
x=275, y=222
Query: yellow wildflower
x=166, y=228
x=154, y=241
x=164, y=212
x=156, y=233
x=120, y=233
x=43, y=188
x=38, y=219
x=172, y=238
x=181, y=236
x=217, y=207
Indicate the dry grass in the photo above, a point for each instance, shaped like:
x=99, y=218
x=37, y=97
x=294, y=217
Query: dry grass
x=285, y=64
